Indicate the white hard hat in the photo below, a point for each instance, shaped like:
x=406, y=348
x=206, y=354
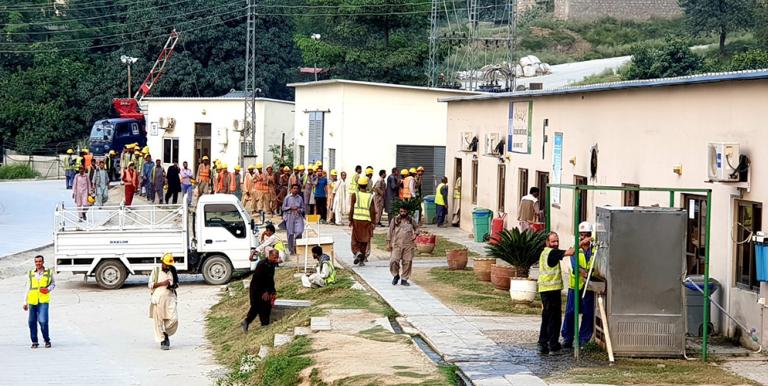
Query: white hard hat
x=585, y=227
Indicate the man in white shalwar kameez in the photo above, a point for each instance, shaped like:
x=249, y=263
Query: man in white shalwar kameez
x=340, y=199
x=162, y=310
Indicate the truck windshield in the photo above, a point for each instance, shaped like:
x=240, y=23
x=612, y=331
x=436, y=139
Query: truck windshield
x=100, y=131
x=226, y=216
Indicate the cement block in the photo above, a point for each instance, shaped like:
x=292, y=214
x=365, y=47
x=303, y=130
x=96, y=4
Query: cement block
x=302, y=331
x=263, y=352
x=320, y=324
x=282, y=339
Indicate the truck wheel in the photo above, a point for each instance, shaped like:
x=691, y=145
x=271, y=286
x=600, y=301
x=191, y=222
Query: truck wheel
x=111, y=274
x=217, y=270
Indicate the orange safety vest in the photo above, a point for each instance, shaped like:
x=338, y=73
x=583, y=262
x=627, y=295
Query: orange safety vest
x=261, y=183
x=205, y=173
x=88, y=160
x=248, y=182
x=234, y=183
x=223, y=183
x=405, y=192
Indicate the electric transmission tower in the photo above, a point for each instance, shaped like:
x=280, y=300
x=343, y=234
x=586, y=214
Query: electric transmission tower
x=434, y=26
x=249, y=89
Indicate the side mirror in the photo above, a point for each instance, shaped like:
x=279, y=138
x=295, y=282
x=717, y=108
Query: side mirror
x=253, y=226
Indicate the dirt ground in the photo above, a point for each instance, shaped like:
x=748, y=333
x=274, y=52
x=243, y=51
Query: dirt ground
x=360, y=351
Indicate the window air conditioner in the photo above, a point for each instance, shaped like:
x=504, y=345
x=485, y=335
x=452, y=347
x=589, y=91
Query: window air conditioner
x=723, y=161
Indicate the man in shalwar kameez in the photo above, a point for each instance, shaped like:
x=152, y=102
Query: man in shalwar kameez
x=293, y=217
x=162, y=310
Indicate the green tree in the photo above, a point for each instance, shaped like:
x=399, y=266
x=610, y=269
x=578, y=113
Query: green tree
x=282, y=156
x=674, y=58
x=719, y=16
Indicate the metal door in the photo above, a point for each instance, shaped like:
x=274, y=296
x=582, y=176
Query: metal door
x=432, y=158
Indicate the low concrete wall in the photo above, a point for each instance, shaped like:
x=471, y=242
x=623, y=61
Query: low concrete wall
x=47, y=166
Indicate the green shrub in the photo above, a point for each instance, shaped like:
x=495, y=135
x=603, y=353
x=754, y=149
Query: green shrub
x=675, y=58
x=17, y=171
x=750, y=60
x=518, y=249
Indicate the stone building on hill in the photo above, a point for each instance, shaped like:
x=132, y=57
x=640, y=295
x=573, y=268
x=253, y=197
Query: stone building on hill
x=596, y=9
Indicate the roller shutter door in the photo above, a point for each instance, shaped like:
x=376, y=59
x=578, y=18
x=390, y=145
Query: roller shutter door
x=432, y=158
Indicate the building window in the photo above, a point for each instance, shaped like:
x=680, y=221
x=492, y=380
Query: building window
x=170, y=150
x=631, y=197
x=315, y=136
x=501, y=189
x=748, y=220
x=696, y=207
x=474, y=182
x=580, y=180
x=522, y=182
x=331, y=159
x=301, y=154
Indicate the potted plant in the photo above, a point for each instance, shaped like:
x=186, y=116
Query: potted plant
x=482, y=267
x=457, y=259
x=520, y=250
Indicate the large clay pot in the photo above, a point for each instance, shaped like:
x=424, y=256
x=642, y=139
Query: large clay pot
x=500, y=276
x=425, y=243
x=522, y=290
x=457, y=259
x=483, y=268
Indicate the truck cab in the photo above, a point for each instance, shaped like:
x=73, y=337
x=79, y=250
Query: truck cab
x=214, y=239
x=115, y=133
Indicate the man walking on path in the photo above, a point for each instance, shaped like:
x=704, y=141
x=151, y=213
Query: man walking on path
x=204, y=177
x=293, y=217
x=235, y=183
x=69, y=168
x=223, y=180
x=163, y=282
x=81, y=188
x=262, y=291
x=393, y=193
x=37, y=297
x=131, y=183
x=352, y=185
x=173, y=176
x=111, y=165
x=379, y=191
x=550, y=284
x=186, y=176
x=158, y=182
x=401, y=242
x=361, y=220
x=580, y=266
x=441, y=205
x=146, y=178
x=340, y=199
x=101, y=184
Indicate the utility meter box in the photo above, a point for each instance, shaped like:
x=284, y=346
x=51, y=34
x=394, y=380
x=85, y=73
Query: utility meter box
x=641, y=257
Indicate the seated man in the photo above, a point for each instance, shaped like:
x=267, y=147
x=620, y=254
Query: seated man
x=324, y=274
x=268, y=239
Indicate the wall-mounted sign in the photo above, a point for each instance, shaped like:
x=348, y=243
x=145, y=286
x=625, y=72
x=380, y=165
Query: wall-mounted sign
x=519, y=130
x=153, y=129
x=557, y=168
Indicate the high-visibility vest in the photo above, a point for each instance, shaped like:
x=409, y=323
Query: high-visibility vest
x=582, y=261
x=234, y=184
x=248, y=182
x=223, y=183
x=204, y=173
x=261, y=183
x=331, y=273
x=34, y=297
x=363, y=202
x=407, y=187
x=439, y=199
x=353, y=187
x=78, y=163
x=68, y=162
x=88, y=160
x=457, y=189
x=550, y=278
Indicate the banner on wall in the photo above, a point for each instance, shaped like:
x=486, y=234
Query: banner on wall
x=557, y=168
x=519, y=129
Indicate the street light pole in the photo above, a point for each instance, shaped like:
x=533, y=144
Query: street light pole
x=127, y=60
x=316, y=38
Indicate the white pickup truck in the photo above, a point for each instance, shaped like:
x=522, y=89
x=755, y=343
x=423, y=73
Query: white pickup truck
x=215, y=239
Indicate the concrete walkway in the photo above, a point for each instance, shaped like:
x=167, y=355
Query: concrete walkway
x=454, y=336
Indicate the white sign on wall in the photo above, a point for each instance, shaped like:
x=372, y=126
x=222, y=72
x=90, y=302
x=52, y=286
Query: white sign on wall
x=557, y=168
x=519, y=129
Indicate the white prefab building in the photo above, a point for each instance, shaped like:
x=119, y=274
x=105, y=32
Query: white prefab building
x=346, y=123
x=186, y=129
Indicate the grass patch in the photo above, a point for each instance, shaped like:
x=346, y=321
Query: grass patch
x=380, y=334
x=17, y=171
x=462, y=288
x=231, y=346
x=651, y=372
x=442, y=246
x=607, y=76
x=450, y=372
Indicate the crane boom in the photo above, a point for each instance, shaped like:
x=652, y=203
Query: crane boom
x=158, y=67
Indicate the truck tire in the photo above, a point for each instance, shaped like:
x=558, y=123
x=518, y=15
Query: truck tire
x=217, y=270
x=111, y=274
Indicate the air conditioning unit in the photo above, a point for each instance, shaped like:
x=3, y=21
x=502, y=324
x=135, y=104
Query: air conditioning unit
x=467, y=141
x=723, y=161
x=222, y=135
x=236, y=125
x=171, y=124
x=492, y=141
x=161, y=123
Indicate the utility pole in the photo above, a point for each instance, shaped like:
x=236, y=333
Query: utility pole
x=127, y=60
x=249, y=89
x=511, y=36
x=433, y=31
x=316, y=38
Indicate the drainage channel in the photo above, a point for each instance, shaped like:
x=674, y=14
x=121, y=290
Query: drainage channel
x=429, y=351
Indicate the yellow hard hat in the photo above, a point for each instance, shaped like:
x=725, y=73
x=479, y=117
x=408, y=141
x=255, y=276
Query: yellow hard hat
x=300, y=167
x=237, y=167
x=404, y=172
x=70, y=151
x=318, y=163
x=192, y=181
x=251, y=167
x=259, y=165
x=412, y=170
x=420, y=169
x=362, y=180
x=333, y=172
x=146, y=149
x=217, y=163
x=369, y=171
x=286, y=169
x=311, y=168
x=168, y=259
x=129, y=146
x=112, y=152
x=91, y=199
x=85, y=151
x=205, y=158
x=223, y=165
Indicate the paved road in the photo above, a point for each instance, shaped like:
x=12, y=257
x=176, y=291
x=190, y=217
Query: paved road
x=26, y=213
x=567, y=73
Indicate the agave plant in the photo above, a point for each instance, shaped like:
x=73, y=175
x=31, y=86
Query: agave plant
x=519, y=249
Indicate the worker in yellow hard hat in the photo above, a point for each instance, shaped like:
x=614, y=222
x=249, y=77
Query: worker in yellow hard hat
x=249, y=189
x=111, y=161
x=234, y=183
x=69, y=168
x=301, y=167
x=163, y=282
x=409, y=184
x=418, y=181
x=379, y=190
x=353, y=181
x=333, y=181
x=223, y=180
x=87, y=159
x=204, y=176
x=361, y=217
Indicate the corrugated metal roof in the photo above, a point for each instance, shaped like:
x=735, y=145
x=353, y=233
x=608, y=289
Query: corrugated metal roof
x=374, y=84
x=231, y=95
x=630, y=84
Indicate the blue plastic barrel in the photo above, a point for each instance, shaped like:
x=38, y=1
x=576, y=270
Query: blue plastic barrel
x=761, y=257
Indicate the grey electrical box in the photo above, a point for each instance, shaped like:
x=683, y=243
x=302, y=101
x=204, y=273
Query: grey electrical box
x=641, y=257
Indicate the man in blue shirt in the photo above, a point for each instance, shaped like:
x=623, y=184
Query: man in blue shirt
x=321, y=196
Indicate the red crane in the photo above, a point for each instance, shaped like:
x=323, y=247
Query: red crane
x=129, y=107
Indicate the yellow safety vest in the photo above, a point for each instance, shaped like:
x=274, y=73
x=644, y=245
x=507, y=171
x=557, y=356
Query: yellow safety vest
x=68, y=163
x=353, y=184
x=550, y=278
x=457, y=189
x=583, y=265
x=439, y=199
x=34, y=297
x=331, y=273
x=362, y=206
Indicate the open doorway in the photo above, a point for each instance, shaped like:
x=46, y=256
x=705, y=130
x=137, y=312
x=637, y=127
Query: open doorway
x=202, y=142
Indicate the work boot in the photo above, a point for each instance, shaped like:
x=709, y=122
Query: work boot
x=395, y=279
x=543, y=349
x=35, y=345
x=357, y=258
x=47, y=344
x=555, y=348
x=568, y=345
x=244, y=326
x=404, y=283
